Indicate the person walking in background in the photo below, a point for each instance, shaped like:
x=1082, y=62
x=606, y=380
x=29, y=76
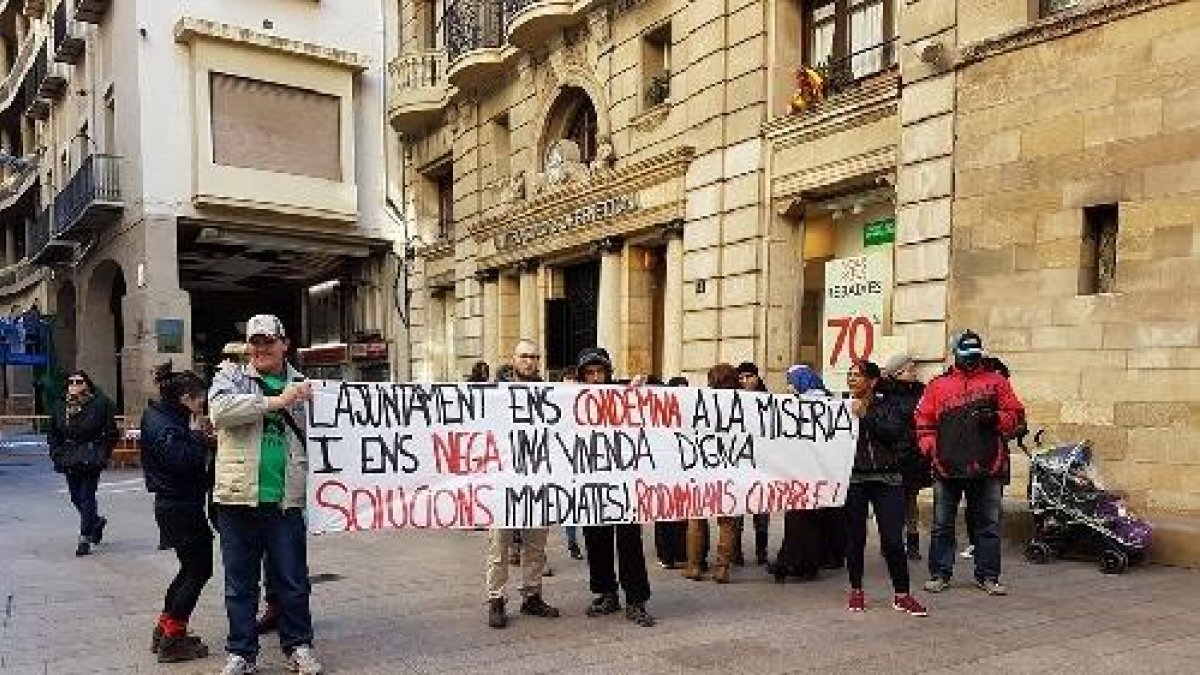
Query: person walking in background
x=902, y=385
x=527, y=366
x=876, y=483
x=670, y=537
x=802, y=552
x=177, y=444
x=962, y=421
x=595, y=367
x=82, y=435
x=259, y=490
x=750, y=380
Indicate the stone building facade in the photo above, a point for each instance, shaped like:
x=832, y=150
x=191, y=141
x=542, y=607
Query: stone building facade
x=190, y=164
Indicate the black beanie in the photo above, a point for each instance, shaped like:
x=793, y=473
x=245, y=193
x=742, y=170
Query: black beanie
x=595, y=356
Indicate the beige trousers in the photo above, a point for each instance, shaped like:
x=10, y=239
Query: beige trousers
x=533, y=561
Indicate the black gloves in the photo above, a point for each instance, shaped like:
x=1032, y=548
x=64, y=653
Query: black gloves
x=986, y=416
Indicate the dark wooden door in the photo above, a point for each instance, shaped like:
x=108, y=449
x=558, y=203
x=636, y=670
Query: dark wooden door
x=571, y=320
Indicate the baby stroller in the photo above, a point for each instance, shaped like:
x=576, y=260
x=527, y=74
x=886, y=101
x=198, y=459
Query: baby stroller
x=1072, y=512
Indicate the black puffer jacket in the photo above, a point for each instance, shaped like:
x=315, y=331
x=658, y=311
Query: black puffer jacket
x=905, y=396
x=887, y=434
x=175, y=459
x=83, y=441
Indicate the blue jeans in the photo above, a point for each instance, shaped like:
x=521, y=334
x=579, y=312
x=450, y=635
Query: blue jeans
x=983, y=497
x=247, y=534
x=572, y=535
x=82, y=486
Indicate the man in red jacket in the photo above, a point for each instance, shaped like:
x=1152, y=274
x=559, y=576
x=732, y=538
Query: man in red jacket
x=962, y=421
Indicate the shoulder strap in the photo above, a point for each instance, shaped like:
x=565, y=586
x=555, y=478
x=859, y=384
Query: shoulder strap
x=283, y=412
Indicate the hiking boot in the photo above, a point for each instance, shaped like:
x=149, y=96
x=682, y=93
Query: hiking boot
x=857, y=601
x=605, y=603
x=913, y=546
x=239, y=665
x=576, y=554
x=909, y=605
x=84, y=547
x=269, y=621
x=180, y=648
x=636, y=612
x=937, y=585
x=991, y=586
x=98, y=530
x=496, y=616
x=303, y=661
x=535, y=606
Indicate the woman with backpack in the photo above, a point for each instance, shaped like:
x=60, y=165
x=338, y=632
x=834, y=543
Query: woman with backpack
x=177, y=444
x=83, y=433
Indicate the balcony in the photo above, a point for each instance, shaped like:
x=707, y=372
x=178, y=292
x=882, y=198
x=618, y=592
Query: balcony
x=34, y=8
x=532, y=22
x=16, y=76
x=17, y=277
x=45, y=249
x=91, y=11
x=69, y=34
x=474, y=41
x=14, y=184
x=418, y=90
x=855, y=70
x=91, y=199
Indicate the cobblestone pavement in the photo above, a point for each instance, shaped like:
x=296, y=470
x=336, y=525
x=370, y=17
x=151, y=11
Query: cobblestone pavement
x=412, y=603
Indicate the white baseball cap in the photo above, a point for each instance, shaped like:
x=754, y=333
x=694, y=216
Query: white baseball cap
x=268, y=325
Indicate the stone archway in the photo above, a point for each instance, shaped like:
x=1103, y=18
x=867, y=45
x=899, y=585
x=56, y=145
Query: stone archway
x=102, y=334
x=575, y=87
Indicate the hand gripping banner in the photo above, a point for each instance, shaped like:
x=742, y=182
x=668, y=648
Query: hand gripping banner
x=440, y=456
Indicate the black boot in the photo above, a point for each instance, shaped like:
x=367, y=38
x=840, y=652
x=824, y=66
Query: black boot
x=636, y=612
x=496, y=616
x=914, y=546
x=573, y=549
x=535, y=606
x=180, y=648
x=760, y=547
x=98, y=530
x=84, y=547
x=605, y=603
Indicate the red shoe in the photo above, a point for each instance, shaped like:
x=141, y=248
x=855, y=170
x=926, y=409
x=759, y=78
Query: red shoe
x=908, y=604
x=858, y=601
x=269, y=621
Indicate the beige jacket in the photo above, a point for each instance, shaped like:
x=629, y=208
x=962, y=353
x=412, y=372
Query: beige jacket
x=236, y=406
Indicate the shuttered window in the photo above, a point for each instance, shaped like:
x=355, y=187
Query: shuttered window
x=273, y=127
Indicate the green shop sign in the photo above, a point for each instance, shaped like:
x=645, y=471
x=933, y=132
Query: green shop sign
x=879, y=232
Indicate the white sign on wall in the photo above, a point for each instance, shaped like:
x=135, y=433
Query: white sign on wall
x=852, y=325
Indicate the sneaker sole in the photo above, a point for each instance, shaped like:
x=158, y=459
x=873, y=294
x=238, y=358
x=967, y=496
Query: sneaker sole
x=898, y=608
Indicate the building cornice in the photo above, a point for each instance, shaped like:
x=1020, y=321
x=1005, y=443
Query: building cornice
x=640, y=174
x=1058, y=25
x=189, y=29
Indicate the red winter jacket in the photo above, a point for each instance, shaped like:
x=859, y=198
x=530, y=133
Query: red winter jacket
x=956, y=427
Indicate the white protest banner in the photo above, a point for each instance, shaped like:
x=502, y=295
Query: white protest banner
x=853, y=321
x=438, y=456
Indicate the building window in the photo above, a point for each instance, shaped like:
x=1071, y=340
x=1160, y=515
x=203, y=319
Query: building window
x=445, y=203
x=656, y=66
x=581, y=128
x=1054, y=6
x=850, y=39
x=273, y=127
x=1098, y=271
x=428, y=20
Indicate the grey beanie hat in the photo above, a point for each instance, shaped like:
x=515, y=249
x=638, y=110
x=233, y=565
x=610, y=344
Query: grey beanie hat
x=895, y=363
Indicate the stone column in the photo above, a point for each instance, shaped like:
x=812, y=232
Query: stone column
x=672, y=353
x=608, y=307
x=508, y=320
x=531, y=301
x=489, y=280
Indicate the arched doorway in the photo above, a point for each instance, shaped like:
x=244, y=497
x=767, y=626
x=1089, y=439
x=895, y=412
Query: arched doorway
x=573, y=117
x=104, y=337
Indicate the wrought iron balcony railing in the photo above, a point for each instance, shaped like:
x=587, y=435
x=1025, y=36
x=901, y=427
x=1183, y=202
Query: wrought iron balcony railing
x=844, y=73
x=95, y=188
x=472, y=24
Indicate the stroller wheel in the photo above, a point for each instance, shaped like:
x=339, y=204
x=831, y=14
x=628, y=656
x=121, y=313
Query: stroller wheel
x=1113, y=561
x=1038, y=553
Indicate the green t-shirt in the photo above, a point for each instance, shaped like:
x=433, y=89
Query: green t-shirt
x=272, y=463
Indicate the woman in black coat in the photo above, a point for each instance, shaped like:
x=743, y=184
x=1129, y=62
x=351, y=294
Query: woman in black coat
x=903, y=386
x=176, y=447
x=83, y=433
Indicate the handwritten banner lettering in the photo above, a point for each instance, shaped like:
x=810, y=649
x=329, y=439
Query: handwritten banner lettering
x=440, y=456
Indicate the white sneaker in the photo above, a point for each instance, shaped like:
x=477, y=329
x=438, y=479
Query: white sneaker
x=968, y=552
x=238, y=665
x=302, y=661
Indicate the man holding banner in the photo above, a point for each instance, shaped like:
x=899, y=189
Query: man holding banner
x=595, y=367
x=527, y=359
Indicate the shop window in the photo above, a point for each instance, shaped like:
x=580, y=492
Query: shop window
x=848, y=40
x=1098, y=271
x=656, y=66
